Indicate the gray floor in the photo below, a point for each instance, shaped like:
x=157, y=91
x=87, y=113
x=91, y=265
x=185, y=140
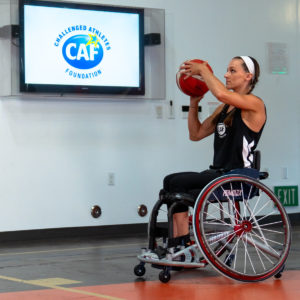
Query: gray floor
x=90, y=261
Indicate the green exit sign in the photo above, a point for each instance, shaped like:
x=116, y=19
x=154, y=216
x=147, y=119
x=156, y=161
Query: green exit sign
x=288, y=195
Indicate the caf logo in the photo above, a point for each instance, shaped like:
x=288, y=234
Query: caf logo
x=82, y=51
x=221, y=128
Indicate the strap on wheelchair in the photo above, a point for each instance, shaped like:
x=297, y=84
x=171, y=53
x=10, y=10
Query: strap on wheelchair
x=254, y=173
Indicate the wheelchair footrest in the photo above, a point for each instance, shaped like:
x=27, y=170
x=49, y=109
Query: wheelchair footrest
x=171, y=263
x=188, y=257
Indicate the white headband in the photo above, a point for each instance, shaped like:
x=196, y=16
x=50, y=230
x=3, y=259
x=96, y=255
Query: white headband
x=250, y=65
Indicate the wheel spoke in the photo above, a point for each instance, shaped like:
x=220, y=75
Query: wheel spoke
x=232, y=201
x=217, y=223
x=269, y=214
x=254, y=208
x=222, y=210
x=226, y=244
x=221, y=221
x=255, y=221
x=247, y=255
x=245, y=201
x=236, y=252
x=257, y=251
x=262, y=252
x=269, y=224
x=253, y=215
x=215, y=233
x=269, y=240
x=268, y=230
x=265, y=247
x=234, y=248
x=218, y=238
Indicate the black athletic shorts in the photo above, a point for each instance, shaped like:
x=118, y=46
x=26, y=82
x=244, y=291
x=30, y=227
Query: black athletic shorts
x=189, y=182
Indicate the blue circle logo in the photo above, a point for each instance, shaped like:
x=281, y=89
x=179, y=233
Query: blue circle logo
x=83, y=51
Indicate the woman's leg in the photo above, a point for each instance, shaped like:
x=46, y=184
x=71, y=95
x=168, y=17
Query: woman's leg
x=183, y=183
x=180, y=224
x=178, y=183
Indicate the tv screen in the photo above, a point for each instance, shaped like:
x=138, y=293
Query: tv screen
x=81, y=48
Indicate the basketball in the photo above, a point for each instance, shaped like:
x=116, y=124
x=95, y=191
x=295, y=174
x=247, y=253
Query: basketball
x=194, y=85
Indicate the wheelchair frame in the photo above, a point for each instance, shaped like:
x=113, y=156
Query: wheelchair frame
x=239, y=227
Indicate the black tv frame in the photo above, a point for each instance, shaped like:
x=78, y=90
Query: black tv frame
x=82, y=89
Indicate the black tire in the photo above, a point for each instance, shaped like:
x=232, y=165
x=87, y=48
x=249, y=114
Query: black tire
x=279, y=274
x=164, y=276
x=139, y=270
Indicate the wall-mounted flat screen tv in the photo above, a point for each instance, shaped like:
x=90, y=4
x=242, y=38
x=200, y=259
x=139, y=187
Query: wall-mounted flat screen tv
x=81, y=48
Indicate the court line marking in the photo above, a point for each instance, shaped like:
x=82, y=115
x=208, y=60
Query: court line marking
x=66, y=249
x=57, y=281
x=55, y=287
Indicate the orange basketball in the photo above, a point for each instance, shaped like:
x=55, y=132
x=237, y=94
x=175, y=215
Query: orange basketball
x=193, y=85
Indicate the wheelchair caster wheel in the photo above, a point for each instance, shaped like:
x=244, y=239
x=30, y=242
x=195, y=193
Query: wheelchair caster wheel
x=139, y=270
x=279, y=274
x=164, y=276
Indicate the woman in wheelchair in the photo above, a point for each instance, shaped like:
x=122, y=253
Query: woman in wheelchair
x=237, y=124
x=239, y=226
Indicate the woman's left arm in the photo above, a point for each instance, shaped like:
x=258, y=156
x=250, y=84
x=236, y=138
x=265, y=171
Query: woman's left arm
x=219, y=90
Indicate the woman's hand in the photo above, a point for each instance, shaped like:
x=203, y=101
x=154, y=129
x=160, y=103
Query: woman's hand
x=190, y=68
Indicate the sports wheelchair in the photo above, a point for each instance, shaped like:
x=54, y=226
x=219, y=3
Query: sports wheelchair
x=237, y=225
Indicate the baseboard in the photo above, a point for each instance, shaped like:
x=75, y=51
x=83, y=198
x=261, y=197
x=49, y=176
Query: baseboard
x=123, y=230
x=294, y=219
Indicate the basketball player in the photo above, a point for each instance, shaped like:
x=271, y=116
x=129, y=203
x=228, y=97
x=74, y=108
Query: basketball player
x=237, y=124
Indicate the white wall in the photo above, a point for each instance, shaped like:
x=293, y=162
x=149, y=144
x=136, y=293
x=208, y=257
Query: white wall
x=56, y=153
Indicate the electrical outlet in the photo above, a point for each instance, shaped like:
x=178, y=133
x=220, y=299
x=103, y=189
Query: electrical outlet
x=284, y=172
x=111, y=179
x=171, y=110
x=159, y=112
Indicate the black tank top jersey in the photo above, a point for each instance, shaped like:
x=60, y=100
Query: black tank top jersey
x=234, y=145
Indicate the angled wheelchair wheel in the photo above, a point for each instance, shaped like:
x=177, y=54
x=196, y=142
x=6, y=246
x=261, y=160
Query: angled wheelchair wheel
x=242, y=228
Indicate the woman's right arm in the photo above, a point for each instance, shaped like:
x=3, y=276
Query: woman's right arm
x=198, y=130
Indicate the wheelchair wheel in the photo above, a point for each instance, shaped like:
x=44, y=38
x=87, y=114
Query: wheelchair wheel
x=242, y=228
x=139, y=270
